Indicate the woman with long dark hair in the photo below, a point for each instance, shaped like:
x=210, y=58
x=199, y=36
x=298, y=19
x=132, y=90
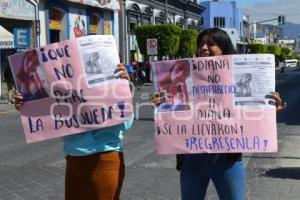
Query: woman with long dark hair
x=226, y=170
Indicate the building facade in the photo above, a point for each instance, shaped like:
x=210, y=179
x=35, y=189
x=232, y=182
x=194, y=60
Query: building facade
x=288, y=43
x=185, y=13
x=66, y=19
x=225, y=15
x=18, y=32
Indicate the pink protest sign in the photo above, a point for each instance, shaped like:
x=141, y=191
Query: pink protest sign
x=70, y=87
x=216, y=105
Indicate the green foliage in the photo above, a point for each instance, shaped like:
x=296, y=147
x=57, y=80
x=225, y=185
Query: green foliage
x=281, y=53
x=258, y=48
x=143, y=33
x=273, y=49
x=168, y=36
x=188, y=43
x=285, y=52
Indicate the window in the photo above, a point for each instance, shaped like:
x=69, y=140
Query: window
x=219, y=22
x=55, y=14
x=146, y=20
x=55, y=19
x=94, y=24
x=55, y=25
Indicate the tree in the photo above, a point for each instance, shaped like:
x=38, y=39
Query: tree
x=142, y=34
x=167, y=35
x=188, y=43
x=285, y=52
x=258, y=48
x=274, y=49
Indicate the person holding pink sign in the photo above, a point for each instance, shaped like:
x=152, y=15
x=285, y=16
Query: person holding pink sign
x=225, y=170
x=95, y=166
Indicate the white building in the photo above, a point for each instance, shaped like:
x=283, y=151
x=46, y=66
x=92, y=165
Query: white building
x=185, y=13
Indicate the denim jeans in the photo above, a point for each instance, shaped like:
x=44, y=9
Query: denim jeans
x=227, y=175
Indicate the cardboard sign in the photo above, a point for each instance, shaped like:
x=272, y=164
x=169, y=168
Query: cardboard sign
x=216, y=105
x=70, y=87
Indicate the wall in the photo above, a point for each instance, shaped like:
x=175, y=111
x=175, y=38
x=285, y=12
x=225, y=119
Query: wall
x=227, y=9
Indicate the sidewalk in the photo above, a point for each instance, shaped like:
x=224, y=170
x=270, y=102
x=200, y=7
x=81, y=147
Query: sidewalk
x=5, y=107
x=273, y=176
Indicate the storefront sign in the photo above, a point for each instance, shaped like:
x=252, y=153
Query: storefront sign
x=6, y=44
x=22, y=38
x=17, y=9
x=108, y=4
x=6, y=39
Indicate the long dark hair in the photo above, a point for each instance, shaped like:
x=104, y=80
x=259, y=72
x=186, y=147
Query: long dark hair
x=216, y=36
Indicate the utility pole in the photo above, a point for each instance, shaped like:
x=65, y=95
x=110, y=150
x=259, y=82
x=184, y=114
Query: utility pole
x=123, y=25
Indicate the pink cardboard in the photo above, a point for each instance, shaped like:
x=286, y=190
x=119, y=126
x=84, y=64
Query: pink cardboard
x=223, y=108
x=58, y=98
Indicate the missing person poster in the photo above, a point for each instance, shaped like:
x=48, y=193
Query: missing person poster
x=70, y=87
x=216, y=105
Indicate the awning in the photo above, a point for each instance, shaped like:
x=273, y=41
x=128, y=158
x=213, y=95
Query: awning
x=6, y=39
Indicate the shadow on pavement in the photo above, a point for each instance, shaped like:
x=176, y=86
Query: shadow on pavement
x=285, y=172
x=288, y=86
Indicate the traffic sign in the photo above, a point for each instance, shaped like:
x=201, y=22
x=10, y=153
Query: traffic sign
x=152, y=47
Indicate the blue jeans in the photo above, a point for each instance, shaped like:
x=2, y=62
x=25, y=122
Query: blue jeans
x=228, y=176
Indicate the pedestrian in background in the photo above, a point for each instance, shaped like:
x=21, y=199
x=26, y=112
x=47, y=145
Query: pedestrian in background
x=95, y=166
x=225, y=170
x=148, y=70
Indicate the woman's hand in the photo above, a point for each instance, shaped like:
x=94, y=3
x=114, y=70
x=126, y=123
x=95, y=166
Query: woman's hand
x=121, y=72
x=157, y=98
x=280, y=105
x=18, y=100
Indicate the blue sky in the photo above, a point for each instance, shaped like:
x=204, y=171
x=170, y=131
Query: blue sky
x=250, y=2
x=268, y=9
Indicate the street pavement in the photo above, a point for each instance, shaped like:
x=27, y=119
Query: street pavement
x=36, y=171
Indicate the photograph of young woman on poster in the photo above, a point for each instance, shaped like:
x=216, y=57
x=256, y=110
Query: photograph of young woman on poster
x=30, y=78
x=172, y=82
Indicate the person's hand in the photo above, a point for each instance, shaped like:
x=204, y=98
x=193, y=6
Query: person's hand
x=157, y=98
x=280, y=105
x=18, y=100
x=121, y=72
